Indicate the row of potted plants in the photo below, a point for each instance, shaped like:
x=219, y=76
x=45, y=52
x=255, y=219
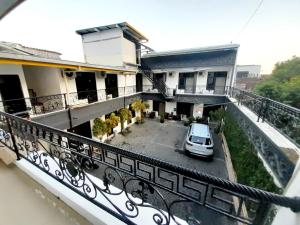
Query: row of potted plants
x=106, y=126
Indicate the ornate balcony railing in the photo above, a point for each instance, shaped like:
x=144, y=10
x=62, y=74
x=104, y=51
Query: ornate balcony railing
x=38, y=105
x=284, y=118
x=135, y=186
x=192, y=89
x=50, y=103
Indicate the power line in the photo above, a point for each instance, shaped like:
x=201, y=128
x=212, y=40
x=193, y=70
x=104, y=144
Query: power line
x=250, y=18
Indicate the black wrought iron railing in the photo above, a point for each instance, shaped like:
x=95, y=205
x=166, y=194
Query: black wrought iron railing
x=134, y=187
x=38, y=105
x=284, y=118
x=203, y=89
x=51, y=103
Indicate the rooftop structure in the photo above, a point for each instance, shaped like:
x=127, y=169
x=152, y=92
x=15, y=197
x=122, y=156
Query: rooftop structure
x=124, y=26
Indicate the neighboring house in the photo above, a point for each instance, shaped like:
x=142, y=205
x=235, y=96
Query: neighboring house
x=200, y=71
x=248, y=71
x=14, y=48
x=247, y=76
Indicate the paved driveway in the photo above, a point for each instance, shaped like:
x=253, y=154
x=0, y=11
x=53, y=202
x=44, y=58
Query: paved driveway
x=165, y=141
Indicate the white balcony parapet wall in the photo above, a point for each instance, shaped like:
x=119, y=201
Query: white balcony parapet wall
x=87, y=209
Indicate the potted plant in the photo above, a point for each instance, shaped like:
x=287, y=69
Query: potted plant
x=99, y=128
x=125, y=115
x=162, y=118
x=138, y=120
x=140, y=106
x=112, y=122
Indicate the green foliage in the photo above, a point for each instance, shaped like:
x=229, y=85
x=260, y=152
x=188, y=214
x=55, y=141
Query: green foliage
x=138, y=105
x=112, y=122
x=125, y=115
x=283, y=84
x=217, y=115
x=248, y=167
x=99, y=127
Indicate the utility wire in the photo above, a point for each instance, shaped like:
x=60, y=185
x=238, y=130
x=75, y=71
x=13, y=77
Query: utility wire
x=250, y=18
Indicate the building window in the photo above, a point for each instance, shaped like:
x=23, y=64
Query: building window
x=210, y=81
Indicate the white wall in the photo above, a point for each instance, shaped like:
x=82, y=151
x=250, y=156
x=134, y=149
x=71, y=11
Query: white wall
x=129, y=51
x=254, y=70
x=104, y=47
x=43, y=80
x=170, y=106
x=100, y=86
x=10, y=69
x=198, y=110
x=285, y=215
x=172, y=80
x=201, y=79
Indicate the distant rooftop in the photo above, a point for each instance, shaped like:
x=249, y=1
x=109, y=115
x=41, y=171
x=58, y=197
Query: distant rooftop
x=10, y=47
x=193, y=50
x=126, y=28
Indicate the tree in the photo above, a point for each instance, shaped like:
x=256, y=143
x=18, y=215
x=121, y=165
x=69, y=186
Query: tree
x=284, y=83
x=99, y=127
x=140, y=106
x=125, y=115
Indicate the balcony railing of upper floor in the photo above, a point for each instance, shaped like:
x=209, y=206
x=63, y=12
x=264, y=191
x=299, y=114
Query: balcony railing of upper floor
x=51, y=103
x=192, y=89
x=284, y=118
x=134, y=187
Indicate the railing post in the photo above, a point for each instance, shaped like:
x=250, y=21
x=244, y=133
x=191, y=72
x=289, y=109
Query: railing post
x=13, y=139
x=262, y=213
x=66, y=103
x=34, y=104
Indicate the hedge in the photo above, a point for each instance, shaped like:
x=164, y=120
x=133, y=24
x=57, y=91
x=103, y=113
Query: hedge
x=248, y=167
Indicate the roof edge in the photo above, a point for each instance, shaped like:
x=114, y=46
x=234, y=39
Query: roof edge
x=193, y=50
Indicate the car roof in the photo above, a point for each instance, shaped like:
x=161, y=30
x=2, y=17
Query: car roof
x=200, y=130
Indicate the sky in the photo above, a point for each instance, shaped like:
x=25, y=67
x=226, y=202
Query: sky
x=272, y=35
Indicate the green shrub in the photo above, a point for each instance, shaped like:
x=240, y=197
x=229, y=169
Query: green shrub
x=248, y=167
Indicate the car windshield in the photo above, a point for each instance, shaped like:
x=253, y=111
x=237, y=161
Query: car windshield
x=197, y=140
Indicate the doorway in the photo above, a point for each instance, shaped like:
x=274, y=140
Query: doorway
x=184, y=108
x=216, y=81
x=111, y=84
x=139, y=82
x=10, y=88
x=83, y=129
x=187, y=82
x=86, y=86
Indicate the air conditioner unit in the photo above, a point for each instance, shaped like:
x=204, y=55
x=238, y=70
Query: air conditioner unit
x=102, y=74
x=70, y=74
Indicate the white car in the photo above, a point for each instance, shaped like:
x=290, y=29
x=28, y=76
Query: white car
x=199, y=140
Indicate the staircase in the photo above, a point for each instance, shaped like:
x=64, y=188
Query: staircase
x=158, y=84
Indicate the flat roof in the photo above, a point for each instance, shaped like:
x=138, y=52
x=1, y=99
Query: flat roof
x=9, y=58
x=126, y=27
x=193, y=50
